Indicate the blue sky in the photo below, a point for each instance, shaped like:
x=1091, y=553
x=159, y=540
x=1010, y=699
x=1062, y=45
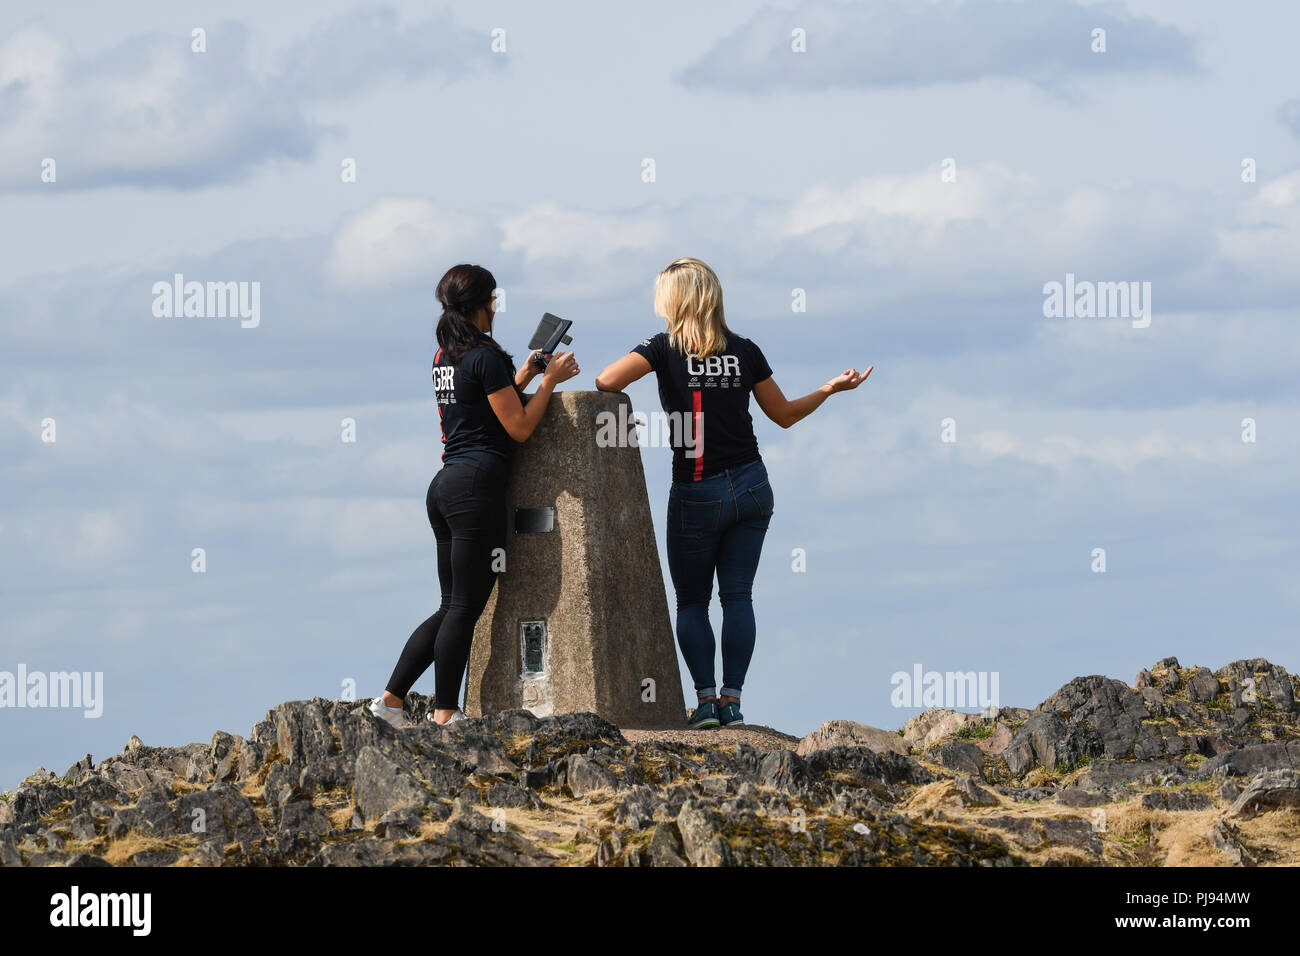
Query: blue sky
x=819, y=171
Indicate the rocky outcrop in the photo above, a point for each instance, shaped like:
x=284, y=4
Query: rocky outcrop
x=1097, y=773
x=848, y=733
x=322, y=783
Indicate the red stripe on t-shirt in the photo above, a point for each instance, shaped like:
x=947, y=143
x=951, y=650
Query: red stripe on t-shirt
x=697, y=422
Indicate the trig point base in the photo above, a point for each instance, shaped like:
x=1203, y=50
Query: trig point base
x=579, y=620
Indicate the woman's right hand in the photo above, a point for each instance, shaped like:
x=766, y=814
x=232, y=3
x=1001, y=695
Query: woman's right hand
x=561, y=368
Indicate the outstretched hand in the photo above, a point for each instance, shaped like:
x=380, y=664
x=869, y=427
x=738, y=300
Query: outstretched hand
x=849, y=379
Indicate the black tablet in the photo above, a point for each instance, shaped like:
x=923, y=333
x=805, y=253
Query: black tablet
x=551, y=332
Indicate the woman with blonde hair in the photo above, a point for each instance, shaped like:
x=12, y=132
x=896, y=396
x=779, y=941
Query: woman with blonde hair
x=720, y=502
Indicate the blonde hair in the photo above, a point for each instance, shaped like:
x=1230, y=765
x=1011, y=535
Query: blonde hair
x=689, y=295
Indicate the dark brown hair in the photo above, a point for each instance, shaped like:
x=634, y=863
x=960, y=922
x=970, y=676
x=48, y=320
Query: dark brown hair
x=463, y=291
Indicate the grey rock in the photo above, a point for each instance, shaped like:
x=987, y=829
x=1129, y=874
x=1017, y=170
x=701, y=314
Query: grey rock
x=973, y=795
x=608, y=850
x=1076, y=833
x=485, y=754
x=931, y=726
x=1247, y=761
x=586, y=777
x=153, y=815
x=848, y=733
x=636, y=808
x=249, y=760
x=1269, y=790
x=399, y=824
x=80, y=770
x=9, y=855
x=1177, y=799
x=535, y=778
x=82, y=827
x=1202, y=686
x=208, y=853
x=220, y=812
x=857, y=766
x=960, y=756
x=330, y=773
x=1224, y=836
x=1028, y=794
x=281, y=785
x=996, y=744
x=302, y=732
x=507, y=795
x=372, y=851
x=702, y=835
x=1102, y=711
x=665, y=846
x=1045, y=831
x=301, y=817
x=1077, y=797
x=381, y=784
x=165, y=856
x=1272, y=682
x=1117, y=773
x=1043, y=740
x=1022, y=829
x=224, y=753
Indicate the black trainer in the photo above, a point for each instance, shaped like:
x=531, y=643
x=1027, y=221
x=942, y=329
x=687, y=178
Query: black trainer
x=704, y=716
x=730, y=715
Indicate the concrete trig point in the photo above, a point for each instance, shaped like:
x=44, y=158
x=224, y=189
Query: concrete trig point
x=578, y=621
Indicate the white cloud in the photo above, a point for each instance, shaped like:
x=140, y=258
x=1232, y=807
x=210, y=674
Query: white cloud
x=401, y=239
x=548, y=231
x=358, y=527
x=1264, y=242
x=151, y=112
x=907, y=43
x=923, y=198
x=1062, y=451
x=147, y=112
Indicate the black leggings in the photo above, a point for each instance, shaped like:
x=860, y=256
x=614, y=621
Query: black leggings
x=467, y=509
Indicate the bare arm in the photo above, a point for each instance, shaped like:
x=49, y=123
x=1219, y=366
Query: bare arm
x=785, y=412
x=520, y=420
x=527, y=372
x=619, y=375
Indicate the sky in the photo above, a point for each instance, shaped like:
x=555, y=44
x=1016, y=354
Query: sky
x=921, y=170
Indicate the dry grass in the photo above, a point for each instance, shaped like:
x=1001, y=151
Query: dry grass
x=562, y=820
x=341, y=818
x=120, y=851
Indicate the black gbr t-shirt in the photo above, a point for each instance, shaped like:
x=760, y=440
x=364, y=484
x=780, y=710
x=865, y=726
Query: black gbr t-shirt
x=471, y=432
x=710, y=396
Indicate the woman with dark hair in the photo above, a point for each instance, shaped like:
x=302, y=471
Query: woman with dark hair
x=483, y=414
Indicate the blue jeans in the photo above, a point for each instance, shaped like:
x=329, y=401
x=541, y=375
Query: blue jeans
x=717, y=525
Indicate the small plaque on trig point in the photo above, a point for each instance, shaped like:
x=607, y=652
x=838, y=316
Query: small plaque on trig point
x=534, y=520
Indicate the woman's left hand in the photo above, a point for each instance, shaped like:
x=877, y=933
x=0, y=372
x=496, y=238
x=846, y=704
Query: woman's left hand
x=528, y=371
x=849, y=379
